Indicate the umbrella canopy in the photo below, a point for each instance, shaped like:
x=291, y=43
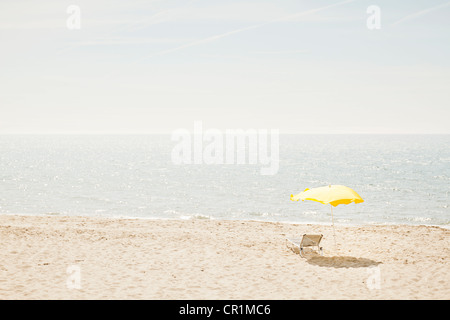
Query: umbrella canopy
x=332, y=194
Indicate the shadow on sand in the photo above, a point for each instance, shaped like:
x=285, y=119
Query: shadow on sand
x=341, y=262
x=312, y=257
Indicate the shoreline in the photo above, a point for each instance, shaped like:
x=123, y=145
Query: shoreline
x=205, y=218
x=47, y=256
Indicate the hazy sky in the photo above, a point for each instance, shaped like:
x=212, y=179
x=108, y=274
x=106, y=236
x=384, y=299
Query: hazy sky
x=155, y=66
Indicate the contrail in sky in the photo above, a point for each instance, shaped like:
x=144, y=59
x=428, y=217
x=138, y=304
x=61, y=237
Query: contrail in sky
x=420, y=13
x=229, y=33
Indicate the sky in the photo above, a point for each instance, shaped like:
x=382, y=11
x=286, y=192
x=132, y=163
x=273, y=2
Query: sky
x=156, y=66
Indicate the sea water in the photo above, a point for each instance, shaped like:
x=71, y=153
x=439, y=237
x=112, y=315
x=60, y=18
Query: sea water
x=403, y=179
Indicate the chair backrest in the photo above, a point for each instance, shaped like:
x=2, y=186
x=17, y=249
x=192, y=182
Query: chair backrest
x=310, y=240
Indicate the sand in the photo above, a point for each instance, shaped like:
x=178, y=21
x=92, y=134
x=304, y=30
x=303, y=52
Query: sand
x=66, y=257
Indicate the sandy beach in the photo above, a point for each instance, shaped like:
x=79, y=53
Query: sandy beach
x=65, y=257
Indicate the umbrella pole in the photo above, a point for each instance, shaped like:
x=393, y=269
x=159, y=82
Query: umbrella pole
x=334, y=232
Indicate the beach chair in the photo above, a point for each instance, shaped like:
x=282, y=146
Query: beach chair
x=307, y=240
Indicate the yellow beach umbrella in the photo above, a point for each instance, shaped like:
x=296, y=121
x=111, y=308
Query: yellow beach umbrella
x=331, y=194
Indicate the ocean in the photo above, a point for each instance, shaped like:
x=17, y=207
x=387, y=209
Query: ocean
x=403, y=179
